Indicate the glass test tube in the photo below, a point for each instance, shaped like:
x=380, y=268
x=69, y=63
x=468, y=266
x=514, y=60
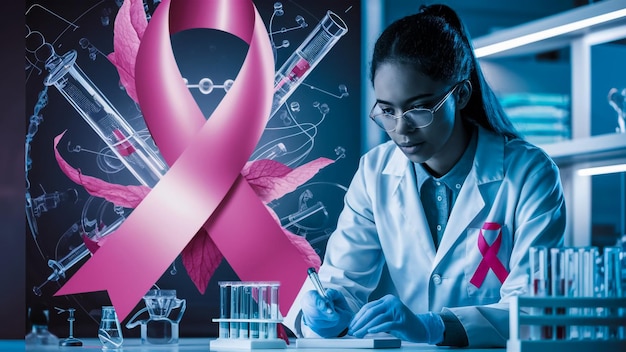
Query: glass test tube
x=586, y=285
x=612, y=272
x=143, y=162
x=570, y=289
x=244, y=310
x=263, y=311
x=304, y=59
x=224, y=310
x=274, y=314
x=613, y=288
x=254, y=311
x=234, y=310
x=538, y=262
x=248, y=310
x=538, y=271
x=560, y=281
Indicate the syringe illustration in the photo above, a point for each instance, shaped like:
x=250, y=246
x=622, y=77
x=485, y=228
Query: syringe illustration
x=144, y=163
x=123, y=140
x=304, y=59
x=61, y=266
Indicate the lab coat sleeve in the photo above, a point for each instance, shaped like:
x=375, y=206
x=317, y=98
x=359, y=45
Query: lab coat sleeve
x=353, y=261
x=539, y=219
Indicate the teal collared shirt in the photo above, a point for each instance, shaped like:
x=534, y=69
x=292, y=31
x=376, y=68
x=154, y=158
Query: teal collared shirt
x=438, y=195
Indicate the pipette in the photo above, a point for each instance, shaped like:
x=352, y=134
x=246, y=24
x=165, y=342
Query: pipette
x=320, y=289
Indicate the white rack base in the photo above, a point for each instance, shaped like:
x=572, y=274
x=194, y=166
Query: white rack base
x=247, y=344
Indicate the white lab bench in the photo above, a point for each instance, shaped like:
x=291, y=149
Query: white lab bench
x=202, y=345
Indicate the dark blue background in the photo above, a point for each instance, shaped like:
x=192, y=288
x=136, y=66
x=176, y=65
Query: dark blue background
x=12, y=171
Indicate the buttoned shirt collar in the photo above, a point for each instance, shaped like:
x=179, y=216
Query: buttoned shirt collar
x=455, y=177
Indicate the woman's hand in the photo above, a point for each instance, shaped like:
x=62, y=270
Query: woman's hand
x=327, y=319
x=390, y=315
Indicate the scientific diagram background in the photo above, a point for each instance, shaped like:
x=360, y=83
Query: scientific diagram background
x=317, y=121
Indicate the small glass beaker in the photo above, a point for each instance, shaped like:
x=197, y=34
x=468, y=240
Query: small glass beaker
x=110, y=332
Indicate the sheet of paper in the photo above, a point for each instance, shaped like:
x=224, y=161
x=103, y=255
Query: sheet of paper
x=349, y=342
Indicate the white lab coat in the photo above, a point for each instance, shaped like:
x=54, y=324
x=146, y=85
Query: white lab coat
x=512, y=183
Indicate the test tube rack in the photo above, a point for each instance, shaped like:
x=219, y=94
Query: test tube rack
x=249, y=316
x=560, y=316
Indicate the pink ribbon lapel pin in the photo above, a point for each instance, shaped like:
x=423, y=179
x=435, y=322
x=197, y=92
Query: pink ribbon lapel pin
x=490, y=259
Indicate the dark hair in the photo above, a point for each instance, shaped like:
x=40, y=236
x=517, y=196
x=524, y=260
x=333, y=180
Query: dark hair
x=435, y=41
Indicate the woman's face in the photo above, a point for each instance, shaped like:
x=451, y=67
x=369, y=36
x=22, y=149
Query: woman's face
x=400, y=87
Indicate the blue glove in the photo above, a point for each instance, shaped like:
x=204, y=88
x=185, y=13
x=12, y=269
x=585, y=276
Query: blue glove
x=390, y=315
x=327, y=319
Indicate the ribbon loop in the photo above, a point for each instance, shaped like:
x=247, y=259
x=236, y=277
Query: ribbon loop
x=195, y=192
x=490, y=256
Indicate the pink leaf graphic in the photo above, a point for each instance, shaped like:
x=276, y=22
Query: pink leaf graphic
x=303, y=246
x=130, y=24
x=271, y=180
x=305, y=249
x=125, y=196
x=201, y=258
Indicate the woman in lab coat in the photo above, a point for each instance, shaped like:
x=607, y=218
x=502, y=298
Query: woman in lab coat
x=438, y=221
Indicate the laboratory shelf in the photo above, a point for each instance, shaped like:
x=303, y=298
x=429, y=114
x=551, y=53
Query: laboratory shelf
x=552, y=32
x=580, y=29
x=589, y=149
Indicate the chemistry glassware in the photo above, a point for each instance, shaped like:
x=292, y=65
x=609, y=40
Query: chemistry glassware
x=59, y=267
x=563, y=268
x=249, y=315
x=110, y=332
x=39, y=334
x=159, y=328
x=122, y=139
x=587, y=280
x=613, y=288
x=538, y=262
x=70, y=340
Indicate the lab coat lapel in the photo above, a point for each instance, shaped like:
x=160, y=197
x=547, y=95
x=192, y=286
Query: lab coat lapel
x=405, y=199
x=487, y=167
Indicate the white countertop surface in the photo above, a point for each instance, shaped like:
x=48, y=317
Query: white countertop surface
x=200, y=344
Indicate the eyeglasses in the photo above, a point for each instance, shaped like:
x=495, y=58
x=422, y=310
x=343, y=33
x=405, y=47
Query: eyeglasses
x=416, y=117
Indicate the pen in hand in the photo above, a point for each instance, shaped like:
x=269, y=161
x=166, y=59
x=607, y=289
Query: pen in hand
x=318, y=287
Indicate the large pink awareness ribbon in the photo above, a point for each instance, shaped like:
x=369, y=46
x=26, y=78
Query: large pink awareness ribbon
x=490, y=256
x=203, y=187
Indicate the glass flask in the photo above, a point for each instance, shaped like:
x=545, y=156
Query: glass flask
x=39, y=334
x=110, y=332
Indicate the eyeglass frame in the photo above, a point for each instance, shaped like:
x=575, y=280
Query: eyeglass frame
x=432, y=112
